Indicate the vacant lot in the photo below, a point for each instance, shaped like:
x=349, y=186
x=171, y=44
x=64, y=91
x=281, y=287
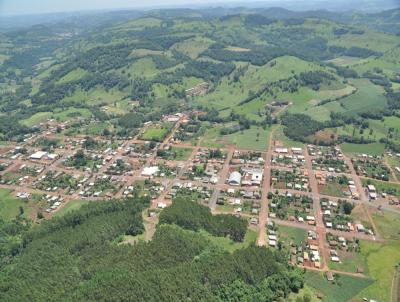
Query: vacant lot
x=296, y=235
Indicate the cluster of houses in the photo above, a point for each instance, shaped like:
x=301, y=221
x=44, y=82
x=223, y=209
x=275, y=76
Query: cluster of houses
x=247, y=157
x=178, y=187
x=53, y=201
x=308, y=253
x=288, y=160
x=348, y=188
x=43, y=155
x=293, y=150
x=294, y=180
x=198, y=90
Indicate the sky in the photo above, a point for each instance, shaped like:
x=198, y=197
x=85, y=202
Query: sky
x=10, y=7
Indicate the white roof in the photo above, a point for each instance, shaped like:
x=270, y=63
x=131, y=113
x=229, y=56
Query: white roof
x=150, y=171
x=256, y=176
x=38, y=155
x=235, y=177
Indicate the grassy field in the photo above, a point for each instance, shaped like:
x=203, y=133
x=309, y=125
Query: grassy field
x=255, y=138
x=72, y=113
x=156, y=133
x=9, y=206
x=371, y=149
x=350, y=262
x=228, y=94
x=368, y=97
x=342, y=290
x=70, y=206
x=382, y=258
x=382, y=186
x=332, y=189
x=284, y=140
x=193, y=47
x=394, y=162
x=181, y=153
x=73, y=75
x=36, y=119
x=229, y=245
x=298, y=236
x=95, y=128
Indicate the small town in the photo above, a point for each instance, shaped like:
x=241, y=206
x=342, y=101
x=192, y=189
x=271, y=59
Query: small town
x=314, y=189
x=197, y=151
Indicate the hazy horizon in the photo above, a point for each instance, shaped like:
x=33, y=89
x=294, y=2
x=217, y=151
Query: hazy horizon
x=26, y=7
x=21, y=7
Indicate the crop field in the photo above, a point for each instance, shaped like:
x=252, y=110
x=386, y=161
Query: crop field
x=229, y=94
x=342, y=290
x=393, y=162
x=350, y=262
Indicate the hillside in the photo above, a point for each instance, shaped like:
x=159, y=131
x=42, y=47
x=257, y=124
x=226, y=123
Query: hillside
x=123, y=63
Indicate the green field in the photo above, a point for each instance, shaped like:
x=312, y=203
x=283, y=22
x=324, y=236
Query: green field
x=73, y=75
x=343, y=289
x=350, y=262
x=36, y=119
x=255, y=138
x=383, y=186
x=156, y=133
x=70, y=206
x=284, y=140
x=229, y=245
x=368, y=97
x=371, y=149
x=71, y=113
x=382, y=258
x=297, y=235
x=181, y=153
x=9, y=206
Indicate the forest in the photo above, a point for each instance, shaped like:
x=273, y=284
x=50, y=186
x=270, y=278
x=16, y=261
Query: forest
x=80, y=257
